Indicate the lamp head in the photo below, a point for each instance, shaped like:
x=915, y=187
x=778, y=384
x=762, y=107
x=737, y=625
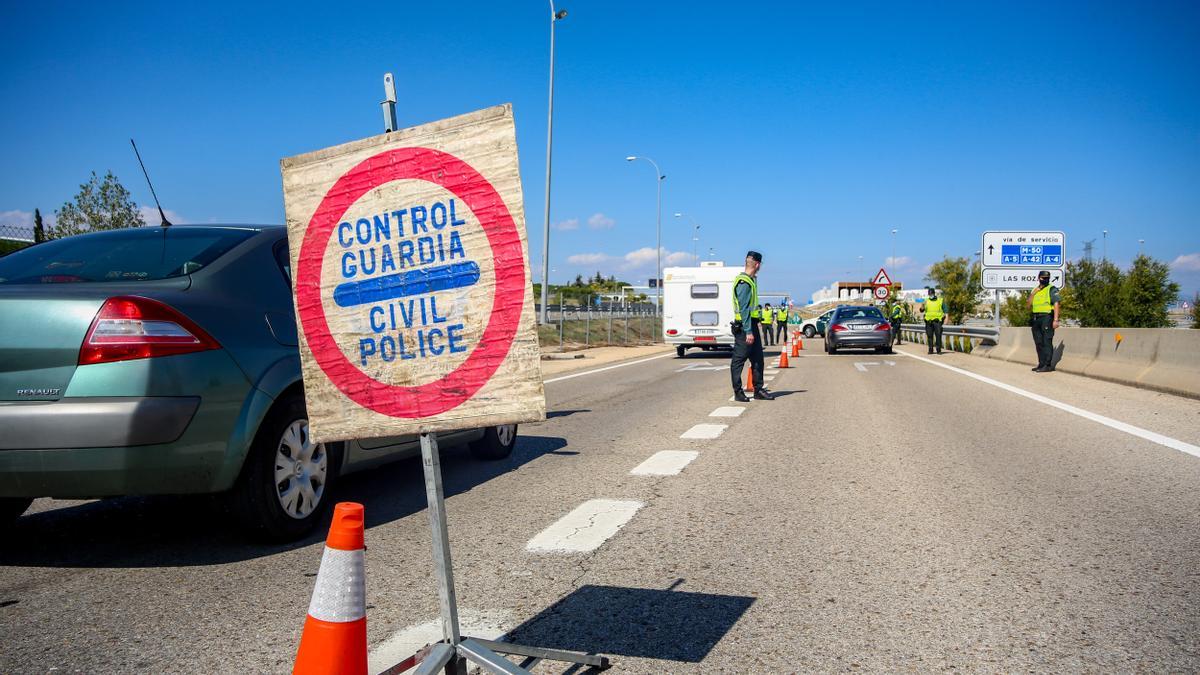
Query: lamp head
x=630, y=158
x=560, y=15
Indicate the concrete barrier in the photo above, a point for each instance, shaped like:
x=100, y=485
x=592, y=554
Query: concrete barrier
x=1163, y=359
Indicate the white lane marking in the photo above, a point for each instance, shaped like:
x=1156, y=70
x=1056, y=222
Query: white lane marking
x=768, y=378
x=665, y=463
x=586, y=527
x=700, y=366
x=734, y=398
x=407, y=641
x=705, y=431
x=770, y=372
x=862, y=365
x=1151, y=436
x=601, y=370
x=728, y=411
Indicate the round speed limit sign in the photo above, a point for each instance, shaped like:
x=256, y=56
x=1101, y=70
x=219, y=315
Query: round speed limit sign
x=882, y=292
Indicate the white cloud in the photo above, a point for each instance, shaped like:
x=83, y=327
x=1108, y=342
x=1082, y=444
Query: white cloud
x=150, y=215
x=1189, y=262
x=898, y=262
x=23, y=219
x=587, y=259
x=639, y=257
x=599, y=221
x=679, y=258
x=564, y=225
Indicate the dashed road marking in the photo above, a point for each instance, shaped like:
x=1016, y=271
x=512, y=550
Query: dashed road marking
x=586, y=527
x=768, y=378
x=705, y=431
x=728, y=411
x=665, y=463
x=407, y=641
x=770, y=372
x=1151, y=436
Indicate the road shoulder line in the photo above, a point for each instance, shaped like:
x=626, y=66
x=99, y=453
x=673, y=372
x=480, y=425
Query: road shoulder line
x=1146, y=434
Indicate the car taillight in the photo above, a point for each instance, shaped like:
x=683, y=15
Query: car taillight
x=837, y=328
x=672, y=331
x=131, y=327
x=884, y=326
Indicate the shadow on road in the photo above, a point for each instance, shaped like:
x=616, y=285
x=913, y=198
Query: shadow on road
x=788, y=392
x=565, y=413
x=185, y=531
x=639, y=622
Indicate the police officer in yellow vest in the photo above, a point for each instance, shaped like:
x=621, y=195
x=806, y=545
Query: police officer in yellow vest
x=935, y=315
x=1044, y=302
x=747, y=344
x=768, y=325
x=781, y=319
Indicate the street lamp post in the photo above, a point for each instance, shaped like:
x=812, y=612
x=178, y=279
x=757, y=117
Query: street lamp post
x=555, y=17
x=695, y=236
x=1105, y=254
x=893, y=261
x=658, y=251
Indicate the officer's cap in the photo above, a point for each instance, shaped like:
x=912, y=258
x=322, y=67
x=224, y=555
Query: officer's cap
x=1044, y=274
x=755, y=255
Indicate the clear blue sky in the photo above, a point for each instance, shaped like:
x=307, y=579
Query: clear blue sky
x=805, y=131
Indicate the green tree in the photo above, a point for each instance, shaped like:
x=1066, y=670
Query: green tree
x=1095, y=294
x=1015, y=310
x=1146, y=292
x=960, y=283
x=39, y=229
x=100, y=204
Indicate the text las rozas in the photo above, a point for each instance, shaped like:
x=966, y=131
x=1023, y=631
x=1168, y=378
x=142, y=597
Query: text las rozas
x=387, y=245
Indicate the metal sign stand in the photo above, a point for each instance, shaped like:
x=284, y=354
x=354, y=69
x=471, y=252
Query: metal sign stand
x=452, y=653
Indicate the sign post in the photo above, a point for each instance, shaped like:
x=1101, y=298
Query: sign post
x=412, y=295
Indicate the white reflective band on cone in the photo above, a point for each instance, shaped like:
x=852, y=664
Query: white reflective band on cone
x=341, y=592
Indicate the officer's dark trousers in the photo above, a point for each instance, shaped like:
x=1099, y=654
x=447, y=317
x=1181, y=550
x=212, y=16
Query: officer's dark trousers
x=768, y=331
x=781, y=329
x=933, y=335
x=743, y=352
x=896, y=331
x=1043, y=338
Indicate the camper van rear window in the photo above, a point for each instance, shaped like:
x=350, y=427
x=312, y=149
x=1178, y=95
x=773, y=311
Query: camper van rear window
x=705, y=318
x=704, y=291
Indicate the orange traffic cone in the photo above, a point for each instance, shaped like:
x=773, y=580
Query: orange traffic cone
x=800, y=343
x=749, y=378
x=783, y=359
x=334, y=641
x=795, y=349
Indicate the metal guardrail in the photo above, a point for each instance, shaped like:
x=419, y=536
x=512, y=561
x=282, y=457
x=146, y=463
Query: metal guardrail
x=957, y=338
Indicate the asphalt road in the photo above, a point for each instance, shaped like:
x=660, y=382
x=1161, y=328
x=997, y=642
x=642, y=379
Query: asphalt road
x=895, y=516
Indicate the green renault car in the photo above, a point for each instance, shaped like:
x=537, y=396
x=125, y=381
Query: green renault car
x=164, y=361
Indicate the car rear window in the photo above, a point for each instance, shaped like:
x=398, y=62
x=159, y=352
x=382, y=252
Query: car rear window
x=705, y=318
x=136, y=254
x=859, y=313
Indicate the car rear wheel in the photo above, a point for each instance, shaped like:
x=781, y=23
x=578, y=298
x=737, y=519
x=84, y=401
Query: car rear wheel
x=809, y=331
x=11, y=508
x=497, y=442
x=284, y=488
x=680, y=351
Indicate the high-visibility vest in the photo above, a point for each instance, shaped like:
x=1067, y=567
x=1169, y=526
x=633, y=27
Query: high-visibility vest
x=768, y=316
x=1041, y=301
x=897, y=311
x=933, y=309
x=783, y=315
x=740, y=278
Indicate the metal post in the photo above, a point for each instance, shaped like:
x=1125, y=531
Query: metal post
x=587, y=323
x=554, y=18
x=996, y=308
x=441, y=540
x=611, y=309
x=389, y=103
x=561, y=311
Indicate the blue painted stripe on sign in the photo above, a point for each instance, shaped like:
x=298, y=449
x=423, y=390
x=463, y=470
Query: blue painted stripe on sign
x=403, y=284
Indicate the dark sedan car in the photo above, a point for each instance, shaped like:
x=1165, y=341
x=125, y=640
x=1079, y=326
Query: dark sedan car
x=858, y=327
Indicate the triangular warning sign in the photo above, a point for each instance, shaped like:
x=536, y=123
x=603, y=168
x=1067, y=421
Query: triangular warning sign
x=882, y=279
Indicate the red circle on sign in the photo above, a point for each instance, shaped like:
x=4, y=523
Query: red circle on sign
x=508, y=297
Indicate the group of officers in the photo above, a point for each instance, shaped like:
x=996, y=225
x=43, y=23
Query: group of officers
x=753, y=323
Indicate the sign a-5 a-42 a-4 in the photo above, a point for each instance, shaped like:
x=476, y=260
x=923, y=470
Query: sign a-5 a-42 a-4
x=1012, y=260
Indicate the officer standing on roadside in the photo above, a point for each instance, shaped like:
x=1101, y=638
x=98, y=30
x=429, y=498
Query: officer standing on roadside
x=781, y=320
x=747, y=341
x=768, y=325
x=935, y=316
x=1044, y=302
x=897, y=317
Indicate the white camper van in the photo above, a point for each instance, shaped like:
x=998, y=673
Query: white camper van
x=698, y=306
